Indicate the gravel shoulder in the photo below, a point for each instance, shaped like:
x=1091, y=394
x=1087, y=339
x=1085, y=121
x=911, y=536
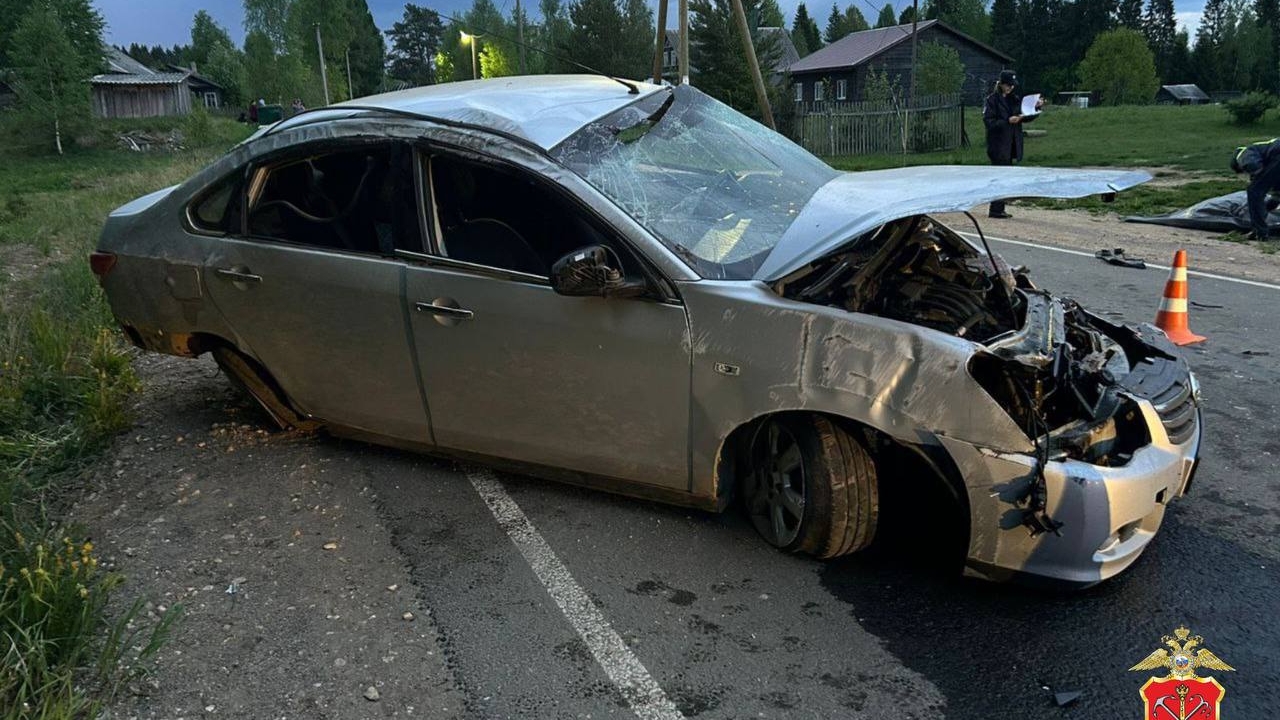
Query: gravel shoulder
x=1080, y=230
x=295, y=602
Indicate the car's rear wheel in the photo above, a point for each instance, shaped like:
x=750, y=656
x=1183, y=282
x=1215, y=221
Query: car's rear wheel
x=249, y=378
x=811, y=487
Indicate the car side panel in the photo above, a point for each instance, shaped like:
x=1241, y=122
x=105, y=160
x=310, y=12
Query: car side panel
x=594, y=385
x=330, y=328
x=903, y=380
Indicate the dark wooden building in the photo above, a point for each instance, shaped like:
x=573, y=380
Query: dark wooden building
x=1181, y=95
x=838, y=72
x=130, y=89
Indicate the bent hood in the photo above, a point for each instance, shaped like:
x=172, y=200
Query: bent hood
x=857, y=202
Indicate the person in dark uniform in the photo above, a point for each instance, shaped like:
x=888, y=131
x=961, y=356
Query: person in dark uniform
x=1262, y=161
x=1002, y=114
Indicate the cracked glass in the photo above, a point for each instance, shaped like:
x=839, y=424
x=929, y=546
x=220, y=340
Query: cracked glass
x=716, y=187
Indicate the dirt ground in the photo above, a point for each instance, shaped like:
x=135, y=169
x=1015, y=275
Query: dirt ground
x=1080, y=230
x=295, y=603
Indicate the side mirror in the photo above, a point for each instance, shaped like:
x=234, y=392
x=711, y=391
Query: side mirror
x=586, y=272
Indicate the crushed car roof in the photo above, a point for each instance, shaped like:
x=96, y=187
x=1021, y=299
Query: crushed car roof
x=543, y=109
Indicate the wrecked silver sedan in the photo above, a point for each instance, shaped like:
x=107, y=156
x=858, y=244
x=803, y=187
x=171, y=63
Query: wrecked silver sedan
x=636, y=288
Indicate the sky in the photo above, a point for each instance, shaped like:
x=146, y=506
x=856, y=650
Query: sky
x=168, y=22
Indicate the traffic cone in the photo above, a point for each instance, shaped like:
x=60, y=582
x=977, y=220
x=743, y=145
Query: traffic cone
x=1172, y=316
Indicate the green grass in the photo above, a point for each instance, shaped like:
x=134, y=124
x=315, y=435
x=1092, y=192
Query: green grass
x=1193, y=138
x=65, y=379
x=1194, y=141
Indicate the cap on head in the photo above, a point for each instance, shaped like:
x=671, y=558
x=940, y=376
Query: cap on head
x=1235, y=160
x=1008, y=77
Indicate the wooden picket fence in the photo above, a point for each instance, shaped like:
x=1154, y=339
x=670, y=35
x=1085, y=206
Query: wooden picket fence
x=866, y=128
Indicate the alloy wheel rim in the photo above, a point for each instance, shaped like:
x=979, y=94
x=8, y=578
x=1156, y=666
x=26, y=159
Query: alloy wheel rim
x=777, y=503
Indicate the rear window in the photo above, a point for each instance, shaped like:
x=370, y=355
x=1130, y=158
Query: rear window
x=214, y=210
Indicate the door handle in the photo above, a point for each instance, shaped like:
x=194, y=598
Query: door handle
x=238, y=275
x=455, y=313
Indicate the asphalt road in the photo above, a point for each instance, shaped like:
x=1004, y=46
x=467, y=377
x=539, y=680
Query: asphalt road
x=730, y=628
x=548, y=601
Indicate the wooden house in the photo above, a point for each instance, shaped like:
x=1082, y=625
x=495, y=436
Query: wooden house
x=838, y=72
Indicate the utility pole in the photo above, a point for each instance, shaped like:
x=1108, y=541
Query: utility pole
x=915, y=19
x=749, y=49
x=324, y=75
x=684, y=42
x=520, y=36
x=660, y=43
x=475, y=75
x=351, y=88
x=911, y=92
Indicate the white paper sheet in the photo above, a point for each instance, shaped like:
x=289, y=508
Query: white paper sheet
x=1029, y=104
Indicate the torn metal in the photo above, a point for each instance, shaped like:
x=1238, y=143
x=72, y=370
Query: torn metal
x=793, y=288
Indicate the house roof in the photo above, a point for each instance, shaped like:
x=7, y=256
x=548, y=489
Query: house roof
x=1185, y=92
x=193, y=77
x=119, y=63
x=789, y=55
x=857, y=48
x=154, y=78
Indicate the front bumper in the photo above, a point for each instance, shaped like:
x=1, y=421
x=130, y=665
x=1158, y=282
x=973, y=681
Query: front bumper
x=1108, y=514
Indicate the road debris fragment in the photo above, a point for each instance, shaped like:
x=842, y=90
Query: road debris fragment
x=1117, y=257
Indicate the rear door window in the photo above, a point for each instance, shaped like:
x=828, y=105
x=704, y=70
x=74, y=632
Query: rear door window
x=356, y=199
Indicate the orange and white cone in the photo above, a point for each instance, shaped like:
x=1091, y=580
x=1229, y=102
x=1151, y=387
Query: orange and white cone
x=1172, y=316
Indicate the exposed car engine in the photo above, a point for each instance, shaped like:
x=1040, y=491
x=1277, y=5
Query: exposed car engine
x=1060, y=372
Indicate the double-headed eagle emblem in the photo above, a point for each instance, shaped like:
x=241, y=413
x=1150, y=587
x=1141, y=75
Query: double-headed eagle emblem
x=1183, y=662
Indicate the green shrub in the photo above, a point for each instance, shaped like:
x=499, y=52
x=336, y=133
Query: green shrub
x=1120, y=66
x=198, y=127
x=1250, y=107
x=61, y=655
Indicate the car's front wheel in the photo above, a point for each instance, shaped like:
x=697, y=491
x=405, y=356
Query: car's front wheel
x=811, y=487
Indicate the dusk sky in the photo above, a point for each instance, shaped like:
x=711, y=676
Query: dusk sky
x=168, y=22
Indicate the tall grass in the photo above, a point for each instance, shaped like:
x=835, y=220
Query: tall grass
x=65, y=381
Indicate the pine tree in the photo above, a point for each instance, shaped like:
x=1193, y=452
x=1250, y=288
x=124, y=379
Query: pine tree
x=804, y=25
x=1129, y=14
x=886, y=18
x=415, y=40
x=1006, y=33
x=854, y=20
x=1161, y=29
x=716, y=52
x=908, y=15
x=835, y=26
x=771, y=14
x=1268, y=14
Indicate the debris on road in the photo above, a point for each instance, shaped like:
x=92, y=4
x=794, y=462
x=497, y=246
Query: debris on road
x=331, y=546
x=1117, y=257
x=1063, y=699
x=1208, y=306
x=371, y=694
x=1256, y=353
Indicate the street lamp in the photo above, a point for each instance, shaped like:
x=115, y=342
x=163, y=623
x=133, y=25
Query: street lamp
x=469, y=39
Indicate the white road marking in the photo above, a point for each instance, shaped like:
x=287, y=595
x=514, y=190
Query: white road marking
x=640, y=690
x=1212, y=276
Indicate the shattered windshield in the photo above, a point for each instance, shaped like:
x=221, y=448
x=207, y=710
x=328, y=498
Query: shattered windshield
x=715, y=186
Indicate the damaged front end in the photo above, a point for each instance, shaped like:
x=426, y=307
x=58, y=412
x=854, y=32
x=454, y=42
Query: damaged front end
x=1098, y=402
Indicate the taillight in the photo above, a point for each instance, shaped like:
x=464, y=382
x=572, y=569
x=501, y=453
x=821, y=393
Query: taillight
x=101, y=263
